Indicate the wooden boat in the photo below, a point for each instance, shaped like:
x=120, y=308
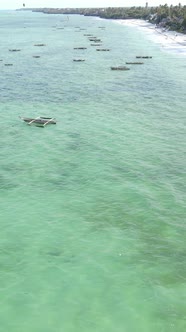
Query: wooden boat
x=103, y=49
x=39, y=121
x=78, y=60
x=143, y=57
x=95, y=40
x=14, y=50
x=80, y=48
x=39, y=44
x=134, y=63
x=120, y=68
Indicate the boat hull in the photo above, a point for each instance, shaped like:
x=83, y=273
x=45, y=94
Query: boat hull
x=39, y=121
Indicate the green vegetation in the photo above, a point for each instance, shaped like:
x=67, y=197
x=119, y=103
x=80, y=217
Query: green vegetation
x=172, y=18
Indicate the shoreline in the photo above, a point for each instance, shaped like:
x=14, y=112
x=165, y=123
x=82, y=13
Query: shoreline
x=172, y=18
x=169, y=40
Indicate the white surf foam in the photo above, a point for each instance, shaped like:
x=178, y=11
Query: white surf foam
x=168, y=40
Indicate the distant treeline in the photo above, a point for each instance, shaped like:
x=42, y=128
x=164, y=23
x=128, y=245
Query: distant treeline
x=170, y=17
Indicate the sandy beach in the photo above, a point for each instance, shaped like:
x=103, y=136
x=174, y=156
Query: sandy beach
x=169, y=40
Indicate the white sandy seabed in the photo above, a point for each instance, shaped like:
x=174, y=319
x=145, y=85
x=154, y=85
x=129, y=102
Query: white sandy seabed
x=169, y=40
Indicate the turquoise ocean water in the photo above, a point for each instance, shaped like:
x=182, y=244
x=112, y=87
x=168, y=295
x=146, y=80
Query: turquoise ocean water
x=92, y=219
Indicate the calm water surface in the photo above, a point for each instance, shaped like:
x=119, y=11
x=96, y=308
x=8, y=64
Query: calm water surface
x=93, y=209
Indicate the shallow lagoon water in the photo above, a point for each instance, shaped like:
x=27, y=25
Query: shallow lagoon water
x=92, y=209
